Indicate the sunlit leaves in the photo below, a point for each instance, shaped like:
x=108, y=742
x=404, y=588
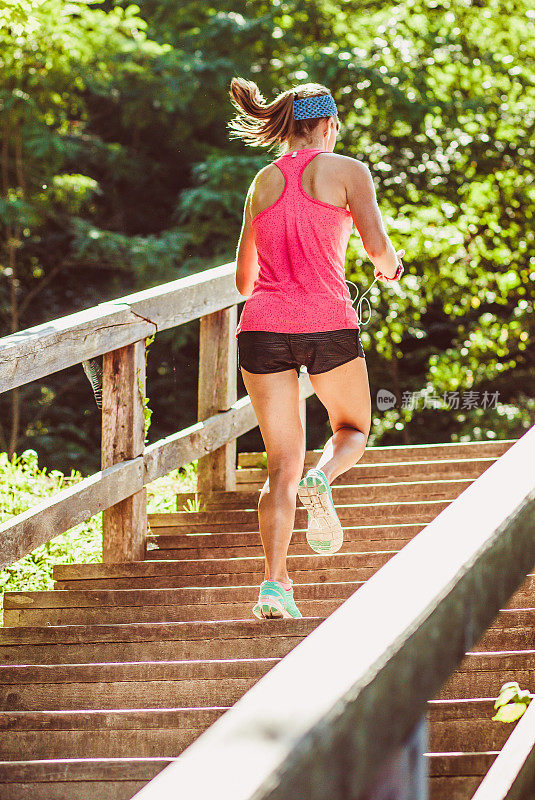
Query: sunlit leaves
x=511, y=703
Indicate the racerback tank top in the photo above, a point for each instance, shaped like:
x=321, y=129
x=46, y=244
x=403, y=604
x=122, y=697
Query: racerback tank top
x=301, y=244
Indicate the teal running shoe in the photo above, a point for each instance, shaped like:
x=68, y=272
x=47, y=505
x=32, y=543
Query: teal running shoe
x=276, y=602
x=324, y=530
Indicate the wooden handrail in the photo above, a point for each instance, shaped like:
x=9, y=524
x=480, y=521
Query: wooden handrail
x=322, y=722
x=40, y=523
x=52, y=346
x=117, y=330
x=23, y=533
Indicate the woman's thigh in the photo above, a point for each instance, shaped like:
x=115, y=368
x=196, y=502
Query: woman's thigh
x=275, y=399
x=345, y=393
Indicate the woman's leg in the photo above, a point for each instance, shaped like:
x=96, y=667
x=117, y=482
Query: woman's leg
x=275, y=399
x=345, y=393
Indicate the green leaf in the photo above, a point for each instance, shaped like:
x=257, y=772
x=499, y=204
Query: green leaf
x=510, y=684
x=510, y=713
x=506, y=696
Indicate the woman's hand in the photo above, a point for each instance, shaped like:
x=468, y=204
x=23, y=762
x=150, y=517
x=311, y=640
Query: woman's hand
x=378, y=274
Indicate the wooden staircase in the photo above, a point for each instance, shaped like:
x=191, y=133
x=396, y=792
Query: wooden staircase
x=109, y=677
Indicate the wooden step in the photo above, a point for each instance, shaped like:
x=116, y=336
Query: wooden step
x=70, y=607
x=415, y=490
x=482, y=674
x=465, y=725
x=515, y=637
x=415, y=452
x=148, y=597
x=158, y=613
x=184, y=640
x=78, y=779
x=128, y=685
x=164, y=550
x=169, y=641
x=362, y=538
x=142, y=632
x=426, y=469
x=456, y=776
x=141, y=733
x=230, y=521
x=216, y=566
x=340, y=572
x=180, y=538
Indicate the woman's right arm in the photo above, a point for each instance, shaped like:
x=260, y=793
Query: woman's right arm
x=367, y=217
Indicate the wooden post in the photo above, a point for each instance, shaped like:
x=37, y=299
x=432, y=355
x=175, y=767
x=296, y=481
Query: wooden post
x=217, y=392
x=123, y=435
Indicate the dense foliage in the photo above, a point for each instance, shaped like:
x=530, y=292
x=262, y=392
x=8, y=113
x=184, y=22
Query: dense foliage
x=117, y=174
x=23, y=483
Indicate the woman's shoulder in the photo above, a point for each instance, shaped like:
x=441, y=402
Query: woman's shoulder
x=342, y=160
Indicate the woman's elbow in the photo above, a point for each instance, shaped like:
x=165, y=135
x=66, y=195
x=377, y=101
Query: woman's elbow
x=245, y=279
x=243, y=287
x=238, y=279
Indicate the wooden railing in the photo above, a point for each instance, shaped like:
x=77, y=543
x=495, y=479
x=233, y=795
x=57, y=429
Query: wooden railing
x=351, y=697
x=117, y=330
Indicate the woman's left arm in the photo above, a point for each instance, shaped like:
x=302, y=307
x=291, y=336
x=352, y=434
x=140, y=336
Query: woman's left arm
x=247, y=268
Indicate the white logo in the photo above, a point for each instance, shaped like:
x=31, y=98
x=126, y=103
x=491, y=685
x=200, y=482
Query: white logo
x=385, y=400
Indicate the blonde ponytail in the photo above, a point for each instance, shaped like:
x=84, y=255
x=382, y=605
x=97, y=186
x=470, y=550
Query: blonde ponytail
x=262, y=125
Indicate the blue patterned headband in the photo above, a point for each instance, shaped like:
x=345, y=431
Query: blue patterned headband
x=322, y=105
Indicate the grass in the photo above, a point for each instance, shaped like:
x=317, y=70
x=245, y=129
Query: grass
x=23, y=484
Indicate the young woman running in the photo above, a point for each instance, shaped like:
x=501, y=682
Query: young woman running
x=290, y=263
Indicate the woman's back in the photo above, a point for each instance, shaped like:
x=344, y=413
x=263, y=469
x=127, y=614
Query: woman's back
x=301, y=229
x=322, y=179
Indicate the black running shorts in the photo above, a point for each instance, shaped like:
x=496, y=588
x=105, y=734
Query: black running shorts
x=262, y=352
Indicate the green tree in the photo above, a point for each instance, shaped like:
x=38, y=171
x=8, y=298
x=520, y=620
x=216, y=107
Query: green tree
x=117, y=174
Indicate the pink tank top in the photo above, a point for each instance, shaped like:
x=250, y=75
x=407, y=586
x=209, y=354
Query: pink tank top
x=301, y=244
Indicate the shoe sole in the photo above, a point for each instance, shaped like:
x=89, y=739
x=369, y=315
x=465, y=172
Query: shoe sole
x=314, y=495
x=271, y=609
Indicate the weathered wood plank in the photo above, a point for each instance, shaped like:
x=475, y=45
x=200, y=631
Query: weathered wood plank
x=344, y=494
x=378, y=468
x=154, y=631
x=69, y=507
x=116, y=719
x=44, y=349
x=418, y=615
x=124, y=524
x=147, y=597
x=222, y=579
x=217, y=392
x=65, y=572
x=174, y=303
x=164, y=649
x=112, y=769
x=225, y=521
x=405, y=454
x=77, y=790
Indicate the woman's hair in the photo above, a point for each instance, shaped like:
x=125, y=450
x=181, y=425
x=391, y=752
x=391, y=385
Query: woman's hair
x=262, y=125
